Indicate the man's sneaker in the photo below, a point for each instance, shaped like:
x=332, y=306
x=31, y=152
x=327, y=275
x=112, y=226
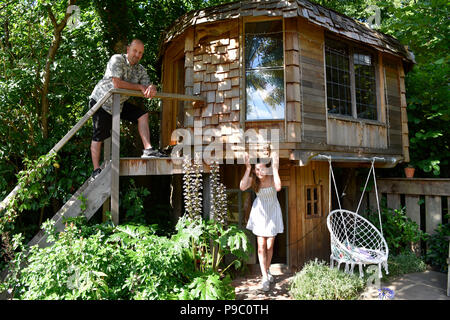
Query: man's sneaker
x=149, y=153
x=95, y=173
x=152, y=153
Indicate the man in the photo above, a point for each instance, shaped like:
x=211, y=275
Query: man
x=122, y=71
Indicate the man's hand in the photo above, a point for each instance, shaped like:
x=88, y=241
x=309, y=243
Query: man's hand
x=149, y=92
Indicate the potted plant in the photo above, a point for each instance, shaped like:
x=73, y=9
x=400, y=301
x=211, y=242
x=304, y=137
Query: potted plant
x=409, y=170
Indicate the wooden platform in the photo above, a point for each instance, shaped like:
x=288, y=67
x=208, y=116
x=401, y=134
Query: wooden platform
x=152, y=166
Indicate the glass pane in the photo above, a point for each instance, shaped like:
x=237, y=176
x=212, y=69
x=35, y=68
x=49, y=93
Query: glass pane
x=338, y=78
x=265, y=94
x=263, y=44
x=365, y=86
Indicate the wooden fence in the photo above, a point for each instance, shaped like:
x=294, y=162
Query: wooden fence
x=426, y=200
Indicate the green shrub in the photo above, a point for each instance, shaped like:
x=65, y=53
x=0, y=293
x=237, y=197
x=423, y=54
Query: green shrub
x=406, y=262
x=317, y=281
x=399, y=230
x=437, y=247
x=125, y=262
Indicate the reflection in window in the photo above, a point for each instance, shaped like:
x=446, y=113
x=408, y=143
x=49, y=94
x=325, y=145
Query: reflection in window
x=365, y=86
x=340, y=59
x=264, y=70
x=338, y=78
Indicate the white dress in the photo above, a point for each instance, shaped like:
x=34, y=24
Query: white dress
x=265, y=217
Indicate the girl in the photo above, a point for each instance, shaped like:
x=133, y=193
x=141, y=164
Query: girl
x=265, y=216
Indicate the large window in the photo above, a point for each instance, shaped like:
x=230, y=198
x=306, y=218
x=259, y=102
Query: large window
x=264, y=71
x=351, y=85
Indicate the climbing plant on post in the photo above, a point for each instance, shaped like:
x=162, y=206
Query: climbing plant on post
x=192, y=187
x=218, y=196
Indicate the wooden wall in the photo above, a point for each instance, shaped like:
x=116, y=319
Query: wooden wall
x=312, y=74
x=308, y=238
x=393, y=104
x=356, y=133
x=214, y=68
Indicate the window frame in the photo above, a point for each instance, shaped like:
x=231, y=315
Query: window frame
x=352, y=49
x=319, y=201
x=244, y=76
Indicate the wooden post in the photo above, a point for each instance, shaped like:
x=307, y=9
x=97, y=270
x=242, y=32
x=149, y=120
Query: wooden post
x=115, y=158
x=106, y=159
x=393, y=201
x=207, y=196
x=433, y=211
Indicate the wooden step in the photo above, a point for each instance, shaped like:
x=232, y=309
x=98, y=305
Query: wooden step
x=152, y=166
x=94, y=192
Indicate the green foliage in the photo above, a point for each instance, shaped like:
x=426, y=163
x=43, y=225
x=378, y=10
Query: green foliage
x=132, y=203
x=209, y=242
x=317, y=281
x=399, y=230
x=405, y=262
x=124, y=262
x=208, y=287
x=437, y=247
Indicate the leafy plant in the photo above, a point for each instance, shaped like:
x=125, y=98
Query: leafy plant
x=132, y=203
x=437, y=247
x=209, y=286
x=405, y=262
x=399, y=230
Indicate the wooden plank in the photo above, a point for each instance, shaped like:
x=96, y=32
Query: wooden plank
x=106, y=158
x=161, y=95
x=381, y=84
x=413, y=208
x=115, y=158
x=373, y=201
x=416, y=186
x=95, y=193
x=433, y=213
x=393, y=201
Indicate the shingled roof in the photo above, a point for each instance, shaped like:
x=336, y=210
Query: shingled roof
x=327, y=18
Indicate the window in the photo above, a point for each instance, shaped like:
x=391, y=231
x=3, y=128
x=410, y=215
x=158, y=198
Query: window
x=350, y=78
x=264, y=71
x=313, y=201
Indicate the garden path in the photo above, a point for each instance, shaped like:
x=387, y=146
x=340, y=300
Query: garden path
x=428, y=285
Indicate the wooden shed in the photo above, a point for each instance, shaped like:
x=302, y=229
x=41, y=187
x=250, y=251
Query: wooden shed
x=308, y=81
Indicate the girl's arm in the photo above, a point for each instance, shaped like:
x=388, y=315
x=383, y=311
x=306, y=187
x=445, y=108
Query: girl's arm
x=246, y=181
x=276, y=176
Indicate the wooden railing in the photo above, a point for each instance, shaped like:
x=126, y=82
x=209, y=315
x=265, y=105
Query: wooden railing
x=115, y=140
x=432, y=195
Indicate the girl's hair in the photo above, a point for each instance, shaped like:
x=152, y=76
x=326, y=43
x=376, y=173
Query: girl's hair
x=256, y=183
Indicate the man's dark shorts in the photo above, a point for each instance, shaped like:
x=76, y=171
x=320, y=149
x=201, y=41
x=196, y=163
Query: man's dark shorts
x=102, y=120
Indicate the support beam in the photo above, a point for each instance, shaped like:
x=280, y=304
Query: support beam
x=115, y=158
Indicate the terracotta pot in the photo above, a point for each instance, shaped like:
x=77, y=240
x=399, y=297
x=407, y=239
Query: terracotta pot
x=409, y=172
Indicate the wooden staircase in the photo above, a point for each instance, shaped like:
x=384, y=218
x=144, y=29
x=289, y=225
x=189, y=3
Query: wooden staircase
x=106, y=185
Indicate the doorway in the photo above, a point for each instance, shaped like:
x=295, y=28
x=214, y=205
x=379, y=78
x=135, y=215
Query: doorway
x=239, y=206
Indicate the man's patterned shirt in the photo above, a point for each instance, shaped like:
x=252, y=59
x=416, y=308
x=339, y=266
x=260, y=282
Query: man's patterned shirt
x=119, y=67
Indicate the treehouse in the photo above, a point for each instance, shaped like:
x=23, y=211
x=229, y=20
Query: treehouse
x=291, y=76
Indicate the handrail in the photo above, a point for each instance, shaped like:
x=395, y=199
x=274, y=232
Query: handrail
x=90, y=113
x=160, y=95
